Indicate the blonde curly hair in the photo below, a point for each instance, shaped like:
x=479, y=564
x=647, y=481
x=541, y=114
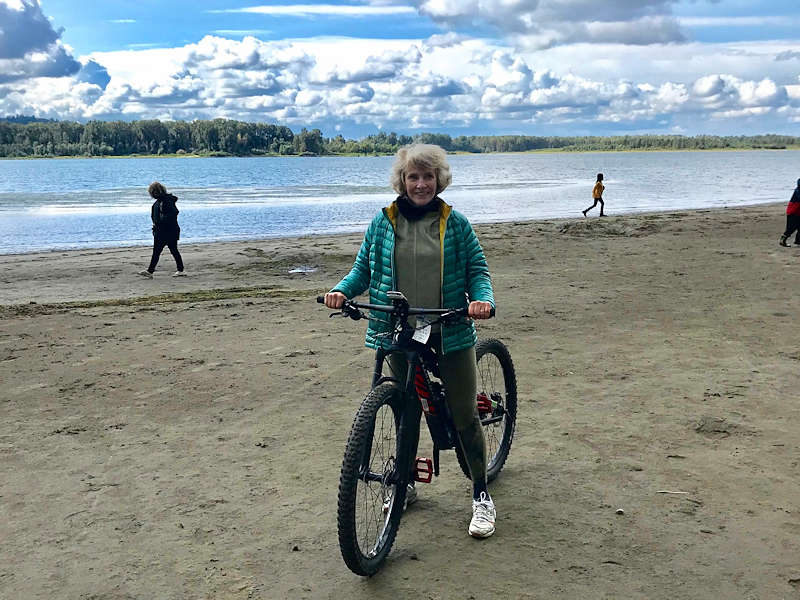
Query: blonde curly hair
x=156, y=190
x=420, y=156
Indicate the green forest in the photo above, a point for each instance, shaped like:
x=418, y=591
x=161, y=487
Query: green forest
x=22, y=137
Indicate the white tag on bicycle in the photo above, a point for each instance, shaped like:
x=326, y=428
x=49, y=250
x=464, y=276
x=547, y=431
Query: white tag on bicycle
x=423, y=331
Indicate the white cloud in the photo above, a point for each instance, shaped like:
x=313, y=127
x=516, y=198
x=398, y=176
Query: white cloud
x=509, y=73
x=546, y=65
x=24, y=29
x=29, y=46
x=65, y=98
x=660, y=63
x=764, y=93
x=546, y=23
x=727, y=92
x=387, y=65
x=308, y=98
x=640, y=32
x=788, y=55
x=749, y=21
x=308, y=10
x=347, y=84
x=352, y=94
x=668, y=98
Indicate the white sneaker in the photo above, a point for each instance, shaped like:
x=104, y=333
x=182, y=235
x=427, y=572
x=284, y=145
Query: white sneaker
x=483, y=517
x=179, y=274
x=411, y=497
x=145, y=273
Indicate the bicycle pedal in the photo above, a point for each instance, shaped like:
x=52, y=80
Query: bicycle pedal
x=484, y=404
x=423, y=470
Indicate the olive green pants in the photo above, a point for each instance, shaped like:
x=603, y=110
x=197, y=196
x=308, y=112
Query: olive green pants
x=459, y=376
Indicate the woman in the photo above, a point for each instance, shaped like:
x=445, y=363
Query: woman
x=423, y=248
x=597, y=195
x=166, y=232
x=792, y=218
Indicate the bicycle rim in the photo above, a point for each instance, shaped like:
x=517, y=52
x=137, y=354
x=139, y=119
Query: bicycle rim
x=372, y=488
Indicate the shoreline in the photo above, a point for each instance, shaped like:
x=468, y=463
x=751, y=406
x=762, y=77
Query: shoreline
x=766, y=203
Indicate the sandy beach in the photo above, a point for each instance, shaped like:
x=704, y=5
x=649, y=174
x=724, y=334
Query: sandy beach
x=181, y=438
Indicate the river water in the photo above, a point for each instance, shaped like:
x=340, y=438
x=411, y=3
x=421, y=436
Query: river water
x=52, y=204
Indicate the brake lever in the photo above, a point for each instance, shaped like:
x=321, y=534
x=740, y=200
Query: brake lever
x=452, y=316
x=351, y=312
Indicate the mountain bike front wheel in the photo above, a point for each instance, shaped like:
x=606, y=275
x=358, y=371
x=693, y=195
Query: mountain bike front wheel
x=497, y=405
x=372, y=484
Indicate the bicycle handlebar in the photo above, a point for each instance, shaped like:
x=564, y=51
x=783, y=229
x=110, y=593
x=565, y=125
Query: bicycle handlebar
x=351, y=308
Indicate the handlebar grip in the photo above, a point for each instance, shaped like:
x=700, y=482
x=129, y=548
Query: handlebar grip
x=320, y=299
x=491, y=312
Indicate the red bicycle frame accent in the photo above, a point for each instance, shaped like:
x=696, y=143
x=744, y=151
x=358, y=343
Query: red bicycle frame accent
x=423, y=391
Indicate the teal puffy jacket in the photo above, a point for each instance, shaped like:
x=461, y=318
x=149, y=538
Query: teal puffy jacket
x=465, y=274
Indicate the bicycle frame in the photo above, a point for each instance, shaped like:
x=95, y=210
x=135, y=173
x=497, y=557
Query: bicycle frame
x=419, y=393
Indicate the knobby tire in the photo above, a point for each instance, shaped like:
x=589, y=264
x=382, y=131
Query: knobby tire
x=367, y=529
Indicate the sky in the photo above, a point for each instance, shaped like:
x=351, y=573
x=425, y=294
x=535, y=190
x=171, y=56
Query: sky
x=462, y=67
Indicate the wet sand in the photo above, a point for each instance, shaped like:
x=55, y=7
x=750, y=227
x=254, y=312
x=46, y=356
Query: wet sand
x=181, y=437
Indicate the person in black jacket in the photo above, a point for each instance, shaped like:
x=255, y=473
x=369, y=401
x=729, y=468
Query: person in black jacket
x=792, y=218
x=166, y=231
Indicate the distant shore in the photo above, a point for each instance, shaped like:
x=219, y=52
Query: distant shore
x=358, y=154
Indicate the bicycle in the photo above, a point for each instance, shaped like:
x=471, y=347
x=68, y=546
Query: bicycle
x=379, y=459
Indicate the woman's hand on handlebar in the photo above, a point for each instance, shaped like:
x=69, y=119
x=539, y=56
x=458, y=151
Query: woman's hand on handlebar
x=478, y=310
x=335, y=299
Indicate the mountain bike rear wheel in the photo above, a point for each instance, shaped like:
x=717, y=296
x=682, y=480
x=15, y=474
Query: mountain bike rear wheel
x=372, y=486
x=497, y=405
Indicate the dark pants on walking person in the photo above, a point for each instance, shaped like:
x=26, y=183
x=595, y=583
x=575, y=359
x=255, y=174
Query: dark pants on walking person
x=158, y=247
x=792, y=225
x=596, y=200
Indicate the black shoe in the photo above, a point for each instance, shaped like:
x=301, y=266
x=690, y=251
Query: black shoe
x=584, y=212
x=782, y=242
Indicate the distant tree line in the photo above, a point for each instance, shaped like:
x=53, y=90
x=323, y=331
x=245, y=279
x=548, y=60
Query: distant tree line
x=28, y=137
x=123, y=138
x=26, y=119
